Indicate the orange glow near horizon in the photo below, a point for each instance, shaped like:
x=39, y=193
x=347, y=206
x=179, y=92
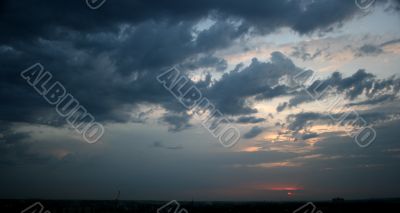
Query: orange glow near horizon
x=280, y=187
x=279, y=164
x=252, y=149
x=285, y=188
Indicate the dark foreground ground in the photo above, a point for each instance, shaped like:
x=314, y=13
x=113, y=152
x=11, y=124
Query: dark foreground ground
x=53, y=206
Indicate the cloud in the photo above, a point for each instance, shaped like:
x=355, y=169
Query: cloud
x=254, y=131
x=309, y=136
x=18, y=148
x=359, y=84
x=394, y=41
x=281, y=107
x=301, y=52
x=108, y=59
x=264, y=16
x=159, y=144
x=259, y=80
x=13, y=145
x=304, y=120
x=369, y=49
x=376, y=100
x=208, y=61
x=122, y=47
x=250, y=119
x=177, y=121
x=374, y=50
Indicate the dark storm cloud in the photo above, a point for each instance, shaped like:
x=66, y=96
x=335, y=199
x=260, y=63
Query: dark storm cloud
x=109, y=73
x=260, y=79
x=121, y=47
x=108, y=59
x=352, y=86
x=356, y=85
x=41, y=18
x=232, y=93
x=114, y=81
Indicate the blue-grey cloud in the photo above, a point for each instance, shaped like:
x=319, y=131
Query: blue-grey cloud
x=250, y=119
x=373, y=49
x=301, y=52
x=177, y=122
x=253, y=132
x=159, y=144
x=359, y=84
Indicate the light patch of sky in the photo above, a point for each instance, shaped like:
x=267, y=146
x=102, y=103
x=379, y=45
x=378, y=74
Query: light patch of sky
x=369, y=23
x=372, y=23
x=363, y=29
x=204, y=24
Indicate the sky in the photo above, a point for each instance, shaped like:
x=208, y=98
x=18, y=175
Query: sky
x=298, y=140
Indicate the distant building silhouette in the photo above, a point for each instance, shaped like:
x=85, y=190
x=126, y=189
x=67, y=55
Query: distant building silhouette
x=338, y=200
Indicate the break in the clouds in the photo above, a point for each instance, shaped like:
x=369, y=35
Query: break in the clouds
x=241, y=55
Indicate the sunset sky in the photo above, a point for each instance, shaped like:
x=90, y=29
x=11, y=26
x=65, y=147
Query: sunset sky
x=242, y=56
